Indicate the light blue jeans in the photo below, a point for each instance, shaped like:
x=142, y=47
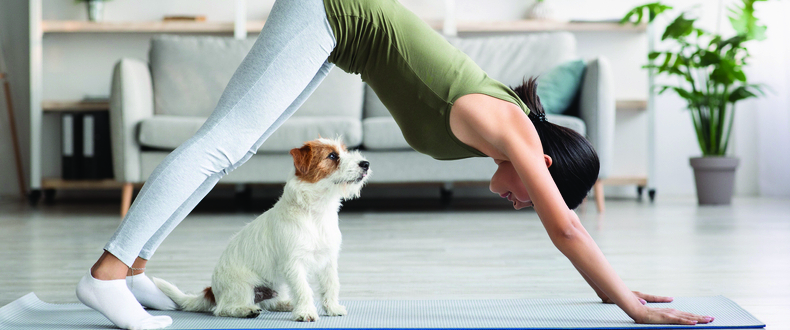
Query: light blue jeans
x=285, y=65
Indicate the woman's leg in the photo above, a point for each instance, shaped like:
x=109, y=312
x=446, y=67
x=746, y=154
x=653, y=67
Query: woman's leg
x=285, y=60
x=281, y=64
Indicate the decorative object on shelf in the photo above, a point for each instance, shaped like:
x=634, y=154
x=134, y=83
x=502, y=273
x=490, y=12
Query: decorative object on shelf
x=12, y=123
x=541, y=9
x=95, y=9
x=712, y=82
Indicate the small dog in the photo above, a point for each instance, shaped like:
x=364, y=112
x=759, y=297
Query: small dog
x=271, y=262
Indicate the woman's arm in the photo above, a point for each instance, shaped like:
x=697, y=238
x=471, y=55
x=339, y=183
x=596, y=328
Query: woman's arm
x=643, y=297
x=502, y=131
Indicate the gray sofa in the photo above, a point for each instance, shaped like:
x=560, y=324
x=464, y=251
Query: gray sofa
x=157, y=105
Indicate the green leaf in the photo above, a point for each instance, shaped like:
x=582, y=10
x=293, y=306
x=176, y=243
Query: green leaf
x=653, y=55
x=708, y=58
x=685, y=94
x=744, y=22
x=739, y=75
x=740, y=93
x=724, y=72
x=667, y=59
x=734, y=42
x=679, y=28
x=653, y=10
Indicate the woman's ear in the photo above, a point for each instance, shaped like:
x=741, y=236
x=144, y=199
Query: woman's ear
x=547, y=158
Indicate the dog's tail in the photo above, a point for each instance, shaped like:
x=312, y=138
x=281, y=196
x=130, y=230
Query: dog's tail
x=187, y=302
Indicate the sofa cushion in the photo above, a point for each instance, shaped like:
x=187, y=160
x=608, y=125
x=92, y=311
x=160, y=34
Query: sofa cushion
x=168, y=132
x=340, y=94
x=382, y=133
x=571, y=122
x=511, y=58
x=558, y=87
x=190, y=73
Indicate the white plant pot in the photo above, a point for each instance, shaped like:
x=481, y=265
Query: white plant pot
x=95, y=10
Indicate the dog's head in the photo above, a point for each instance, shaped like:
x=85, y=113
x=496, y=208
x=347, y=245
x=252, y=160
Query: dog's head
x=329, y=165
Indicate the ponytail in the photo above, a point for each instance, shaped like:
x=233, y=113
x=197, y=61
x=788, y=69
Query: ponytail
x=528, y=93
x=575, y=163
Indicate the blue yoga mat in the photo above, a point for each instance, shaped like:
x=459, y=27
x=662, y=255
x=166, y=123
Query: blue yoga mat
x=29, y=312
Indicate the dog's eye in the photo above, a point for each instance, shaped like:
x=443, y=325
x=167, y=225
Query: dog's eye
x=333, y=156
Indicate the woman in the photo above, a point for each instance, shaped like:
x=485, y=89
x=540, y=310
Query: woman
x=446, y=106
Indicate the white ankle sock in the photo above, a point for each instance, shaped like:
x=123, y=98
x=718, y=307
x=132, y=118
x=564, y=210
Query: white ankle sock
x=146, y=292
x=114, y=300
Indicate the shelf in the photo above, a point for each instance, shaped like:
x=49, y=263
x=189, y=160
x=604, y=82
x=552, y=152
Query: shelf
x=58, y=106
x=145, y=27
x=533, y=25
x=56, y=183
x=256, y=26
x=632, y=105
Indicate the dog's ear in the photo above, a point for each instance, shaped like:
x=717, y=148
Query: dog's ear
x=301, y=159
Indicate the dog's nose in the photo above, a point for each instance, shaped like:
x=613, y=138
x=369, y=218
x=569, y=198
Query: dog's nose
x=364, y=164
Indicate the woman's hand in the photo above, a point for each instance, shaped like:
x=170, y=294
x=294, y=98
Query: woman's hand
x=670, y=316
x=643, y=298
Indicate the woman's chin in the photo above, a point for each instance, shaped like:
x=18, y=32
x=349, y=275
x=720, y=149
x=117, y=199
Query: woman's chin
x=517, y=204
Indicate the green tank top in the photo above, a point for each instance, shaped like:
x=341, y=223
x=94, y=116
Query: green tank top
x=414, y=71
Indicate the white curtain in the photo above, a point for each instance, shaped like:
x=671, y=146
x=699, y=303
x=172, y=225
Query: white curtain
x=771, y=61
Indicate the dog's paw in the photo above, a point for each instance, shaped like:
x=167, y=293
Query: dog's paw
x=335, y=310
x=243, y=312
x=306, y=315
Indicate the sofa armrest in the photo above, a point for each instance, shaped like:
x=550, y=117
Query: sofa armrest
x=597, y=110
x=131, y=100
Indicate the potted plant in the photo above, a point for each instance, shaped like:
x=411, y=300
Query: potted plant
x=95, y=9
x=711, y=81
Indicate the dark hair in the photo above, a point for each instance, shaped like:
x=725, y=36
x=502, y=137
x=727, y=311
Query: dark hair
x=575, y=163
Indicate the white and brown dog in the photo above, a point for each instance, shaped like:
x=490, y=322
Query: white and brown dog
x=272, y=261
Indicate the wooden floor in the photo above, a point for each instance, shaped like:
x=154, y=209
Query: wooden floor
x=419, y=250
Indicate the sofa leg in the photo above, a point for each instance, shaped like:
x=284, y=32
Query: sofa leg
x=126, y=198
x=599, y=202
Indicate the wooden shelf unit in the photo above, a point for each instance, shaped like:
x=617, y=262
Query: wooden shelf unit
x=53, y=26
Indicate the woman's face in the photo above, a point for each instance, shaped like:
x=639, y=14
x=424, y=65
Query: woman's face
x=507, y=184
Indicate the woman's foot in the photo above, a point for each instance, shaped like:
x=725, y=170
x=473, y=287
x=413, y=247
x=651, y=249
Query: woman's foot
x=114, y=300
x=146, y=292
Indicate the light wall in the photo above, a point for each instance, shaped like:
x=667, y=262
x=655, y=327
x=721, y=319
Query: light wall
x=76, y=65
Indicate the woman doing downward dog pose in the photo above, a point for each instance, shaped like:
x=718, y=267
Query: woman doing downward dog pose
x=446, y=106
